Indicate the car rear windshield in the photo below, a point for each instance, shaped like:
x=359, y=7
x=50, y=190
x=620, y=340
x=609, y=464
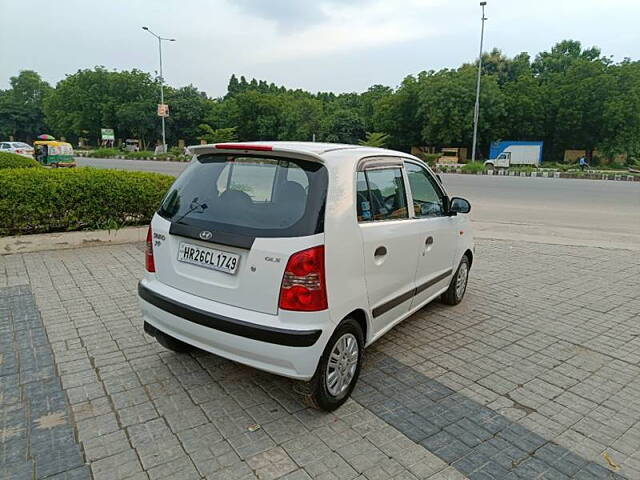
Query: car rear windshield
x=249, y=195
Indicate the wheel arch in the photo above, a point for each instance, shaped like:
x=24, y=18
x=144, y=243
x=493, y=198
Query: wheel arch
x=360, y=316
x=469, y=254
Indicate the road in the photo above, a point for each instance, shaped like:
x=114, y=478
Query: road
x=168, y=168
x=548, y=210
x=552, y=210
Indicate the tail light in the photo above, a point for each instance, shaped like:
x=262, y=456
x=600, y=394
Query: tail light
x=149, y=263
x=19, y=152
x=303, y=284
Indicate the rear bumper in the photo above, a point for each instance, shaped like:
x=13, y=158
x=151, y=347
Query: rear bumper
x=290, y=352
x=278, y=336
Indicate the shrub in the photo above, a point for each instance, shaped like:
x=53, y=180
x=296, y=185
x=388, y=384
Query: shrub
x=11, y=160
x=431, y=158
x=614, y=166
x=104, y=153
x=523, y=168
x=473, y=167
x=43, y=200
x=176, y=151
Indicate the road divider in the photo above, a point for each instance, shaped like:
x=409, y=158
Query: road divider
x=589, y=175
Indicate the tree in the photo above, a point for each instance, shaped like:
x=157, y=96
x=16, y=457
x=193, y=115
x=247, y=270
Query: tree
x=575, y=84
x=300, y=117
x=89, y=100
x=446, y=103
x=187, y=106
x=562, y=55
x=370, y=101
x=621, y=117
x=233, y=87
x=375, y=139
x=256, y=116
x=569, y=97
x=397, y=114
x=220, y=135
x=524, y=106
x=21, y=106
x=342, y=126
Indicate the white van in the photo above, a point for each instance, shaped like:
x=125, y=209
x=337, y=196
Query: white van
x=512, y=153
x=292, y=257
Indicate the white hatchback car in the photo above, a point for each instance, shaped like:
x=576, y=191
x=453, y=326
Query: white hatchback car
x=292, y=257
x=19, y=148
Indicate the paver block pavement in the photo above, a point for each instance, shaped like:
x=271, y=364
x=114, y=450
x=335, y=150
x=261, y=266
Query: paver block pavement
x=536, y=372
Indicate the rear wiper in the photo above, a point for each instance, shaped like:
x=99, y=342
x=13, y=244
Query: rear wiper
x=194, y=205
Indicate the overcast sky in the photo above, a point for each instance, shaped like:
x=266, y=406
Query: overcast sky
x=323, y=45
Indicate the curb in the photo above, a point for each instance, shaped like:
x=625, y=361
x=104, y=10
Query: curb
x=621, y=177
x=63, y=240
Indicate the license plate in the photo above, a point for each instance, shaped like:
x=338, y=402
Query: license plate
x=209, y=258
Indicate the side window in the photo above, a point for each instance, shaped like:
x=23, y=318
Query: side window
x=427, y=199
x=363, y=203
x=386, y=195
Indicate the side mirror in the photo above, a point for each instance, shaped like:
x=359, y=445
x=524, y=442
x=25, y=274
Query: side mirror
x=459, y=205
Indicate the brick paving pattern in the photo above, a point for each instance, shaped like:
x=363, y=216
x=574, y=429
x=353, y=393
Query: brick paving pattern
x=36, y=436
x=535, y=375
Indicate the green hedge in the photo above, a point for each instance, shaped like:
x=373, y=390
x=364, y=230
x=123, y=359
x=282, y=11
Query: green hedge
x=12, y=160
x=44, y=200
x=174, y=154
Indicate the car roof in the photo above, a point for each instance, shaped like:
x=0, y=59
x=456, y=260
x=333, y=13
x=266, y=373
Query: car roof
x=320, y=150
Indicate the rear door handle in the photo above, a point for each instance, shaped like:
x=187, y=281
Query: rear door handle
x=381, y=251
x=429, y=241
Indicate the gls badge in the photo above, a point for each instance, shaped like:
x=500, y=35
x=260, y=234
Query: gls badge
x=206, y=235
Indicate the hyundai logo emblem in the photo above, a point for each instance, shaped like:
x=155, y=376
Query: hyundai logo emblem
x=206, y=235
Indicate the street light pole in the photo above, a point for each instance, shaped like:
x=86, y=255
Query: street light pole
x=160, y=39
x=476, y=110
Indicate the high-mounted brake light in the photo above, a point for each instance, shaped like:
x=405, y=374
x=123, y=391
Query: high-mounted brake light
x=303, y=283
x=240, y=146
x=149, y=262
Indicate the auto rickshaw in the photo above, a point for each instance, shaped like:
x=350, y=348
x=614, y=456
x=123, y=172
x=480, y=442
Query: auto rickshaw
x=50, y=152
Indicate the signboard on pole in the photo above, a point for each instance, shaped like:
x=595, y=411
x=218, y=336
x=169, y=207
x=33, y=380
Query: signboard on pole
x=163, y=110
x=107, y=134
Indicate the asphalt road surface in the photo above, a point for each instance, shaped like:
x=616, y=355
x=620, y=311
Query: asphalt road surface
x=168, y=168
x=552, y=210
x=547, y=210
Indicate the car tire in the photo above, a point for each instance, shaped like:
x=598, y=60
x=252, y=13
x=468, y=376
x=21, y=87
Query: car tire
x=458, y=286
x=171, y=343
x=327, y=390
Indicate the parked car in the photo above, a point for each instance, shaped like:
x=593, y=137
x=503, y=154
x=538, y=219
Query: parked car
x=19, y=148
x=293, y=257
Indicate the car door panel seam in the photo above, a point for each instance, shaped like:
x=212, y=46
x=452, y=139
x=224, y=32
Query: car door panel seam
x=394, y=302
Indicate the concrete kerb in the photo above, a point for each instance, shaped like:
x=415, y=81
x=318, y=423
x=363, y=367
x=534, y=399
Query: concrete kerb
x=64, y=240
